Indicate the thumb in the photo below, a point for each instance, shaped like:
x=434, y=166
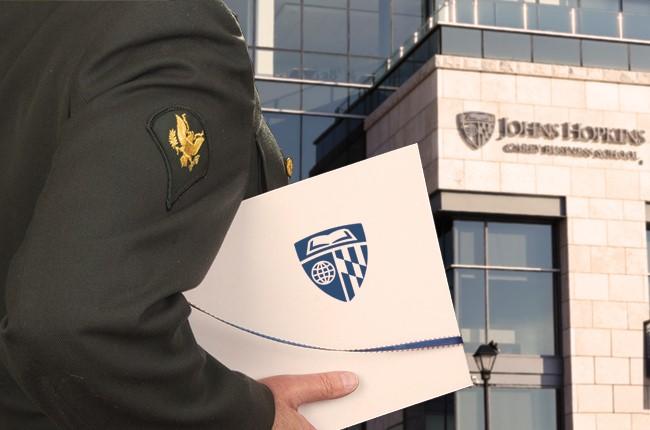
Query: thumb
x=320, y=386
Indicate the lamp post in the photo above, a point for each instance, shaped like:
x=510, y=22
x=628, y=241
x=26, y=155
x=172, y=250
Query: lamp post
x=485, y=356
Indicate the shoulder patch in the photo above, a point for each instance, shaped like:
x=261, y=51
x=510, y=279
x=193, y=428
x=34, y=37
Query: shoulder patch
x=182, y=139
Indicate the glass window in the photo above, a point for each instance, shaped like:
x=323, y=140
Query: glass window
x=370, y=28
x=604, y=54
x=640, y=57
x=598, y=22
x=515, y=308
x=519, y=245
x=406, y=19
x=362, y=69
x=324, y=98
x=278, y=24
x=312, y=127
x=507, y=46
x=636, y=6
x=469, y=291
x=465, y=11
x=549, y=18
x=469, y=245
x=325, y=26
x=278, y=95
x=523, y=408
x=461, y=41
x=556, y=50
x=635, y=26
x=286, y=129
x=521, y=312
x=509, y=14
x=325, y=67
x=612, y=5
x=284, y=64
x=469, y=409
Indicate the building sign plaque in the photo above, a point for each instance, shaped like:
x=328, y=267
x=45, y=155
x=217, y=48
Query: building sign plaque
x=477, y=128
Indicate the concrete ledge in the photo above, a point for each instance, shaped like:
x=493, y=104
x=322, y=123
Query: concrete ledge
x=523, y=205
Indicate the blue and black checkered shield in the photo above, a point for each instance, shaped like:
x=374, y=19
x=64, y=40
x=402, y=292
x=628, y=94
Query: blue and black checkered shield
x=335, y=260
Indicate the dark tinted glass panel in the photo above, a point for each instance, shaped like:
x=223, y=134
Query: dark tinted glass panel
x=469, y=409
x=598, y=22
x=461, y=41
x=325, y=26
x=279, y=95
x=636, y=26
x=640, y=57
x=636, y=6
x=520, y=245
x=468, y=242
x=507, y=46
x=321, y=98
x=469, y=292
x=521, y=312
x=436, y=414
x=312, y=127
x=556, y=50
x=325, y=67
x=286, y=129
x=523, y=408
x=277, y=63
x=604, y=54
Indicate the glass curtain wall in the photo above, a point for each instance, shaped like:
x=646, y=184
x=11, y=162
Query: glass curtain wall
x=312, y=57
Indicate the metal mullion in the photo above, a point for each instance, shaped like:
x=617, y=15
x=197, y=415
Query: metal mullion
x=485, y=283
x=513, y=269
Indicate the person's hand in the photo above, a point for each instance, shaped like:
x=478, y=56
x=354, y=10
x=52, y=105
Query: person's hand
x=291, y=391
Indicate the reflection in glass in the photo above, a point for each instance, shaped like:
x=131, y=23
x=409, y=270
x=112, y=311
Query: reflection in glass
x=549, y=18
x=285, y=64
x=370, y=28
x=465, y=11
x=636, y=6
x=611, y=55
x=509, y=14
x=323, y=98
x=362, y=68
x=325, y=67
x=406, y=19
x=435, y=414
x=325, y=18
x=520, y=245
x=521, y=312
x=556, y=50
x=286, y=129
x=312, y=127
x=469, y=291
x=507, y=46
x=611, y=5
x=469, y=409
x=523, y=408
x=278, y=95
x=278, y=24
x=469, y=244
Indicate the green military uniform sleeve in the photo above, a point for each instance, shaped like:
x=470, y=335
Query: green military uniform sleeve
x=150, y=168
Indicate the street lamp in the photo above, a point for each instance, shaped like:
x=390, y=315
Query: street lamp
x=485, y=356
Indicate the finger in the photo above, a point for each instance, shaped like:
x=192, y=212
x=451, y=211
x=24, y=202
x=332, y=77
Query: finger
x=320, y=386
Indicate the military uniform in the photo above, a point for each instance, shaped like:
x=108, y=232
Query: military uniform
x=131, y=132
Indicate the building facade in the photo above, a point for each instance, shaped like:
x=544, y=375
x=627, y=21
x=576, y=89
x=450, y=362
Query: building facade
x=532, y=119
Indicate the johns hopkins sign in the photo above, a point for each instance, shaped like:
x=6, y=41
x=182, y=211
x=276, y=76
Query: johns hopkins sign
x=565, y=139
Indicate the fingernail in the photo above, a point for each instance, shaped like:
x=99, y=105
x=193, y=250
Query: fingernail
x=350, y=380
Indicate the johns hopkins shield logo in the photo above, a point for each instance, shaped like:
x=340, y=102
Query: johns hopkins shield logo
x=475, y=128
x=335, y=260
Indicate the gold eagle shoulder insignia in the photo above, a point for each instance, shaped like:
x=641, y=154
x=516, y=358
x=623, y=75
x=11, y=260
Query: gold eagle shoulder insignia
x=186, y=142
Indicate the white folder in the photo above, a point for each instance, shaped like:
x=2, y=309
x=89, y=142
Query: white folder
x=338, y=272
